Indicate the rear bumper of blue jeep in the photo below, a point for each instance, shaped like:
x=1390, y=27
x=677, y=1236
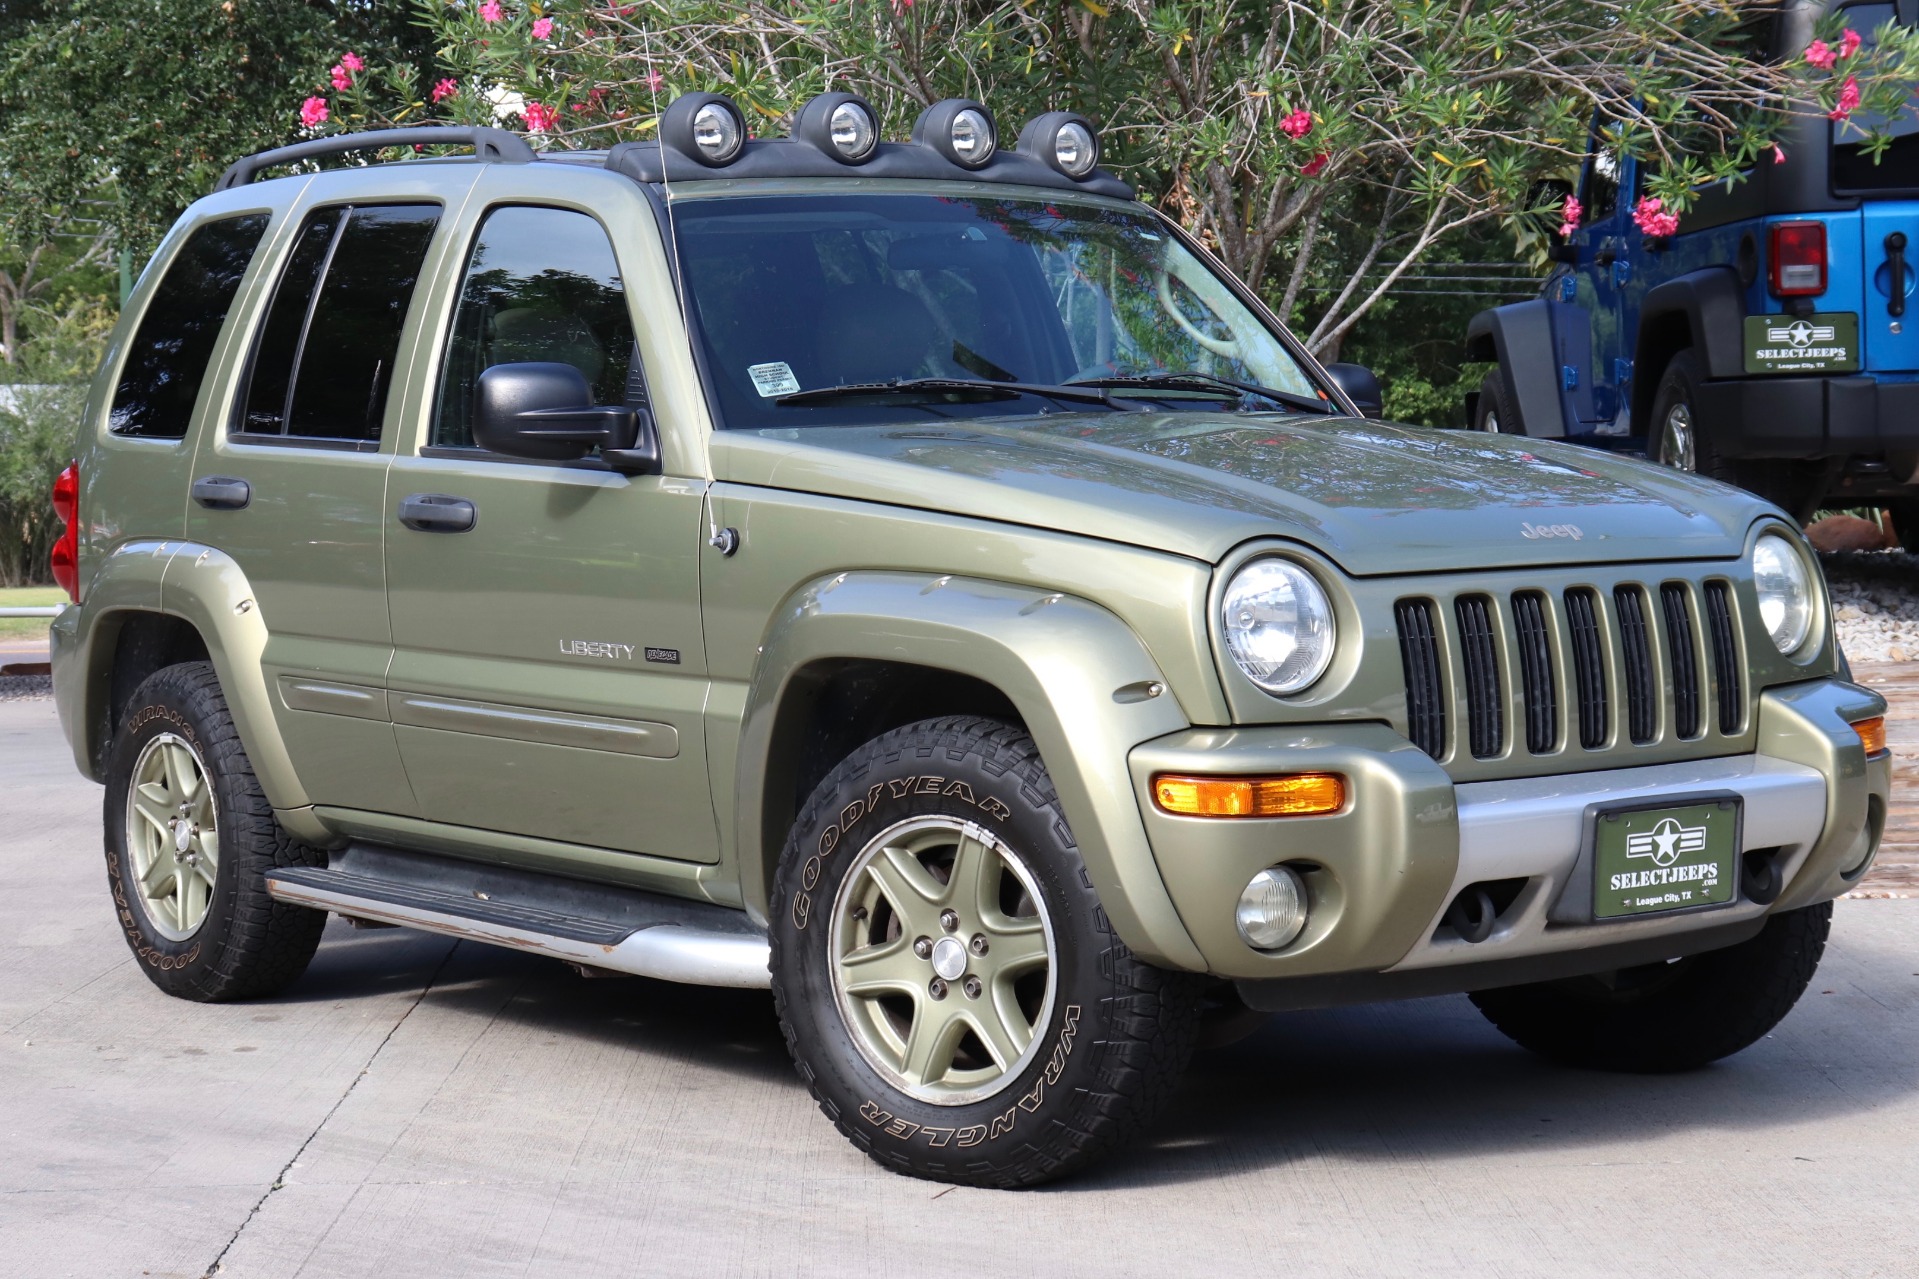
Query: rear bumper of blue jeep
x=1810, y=416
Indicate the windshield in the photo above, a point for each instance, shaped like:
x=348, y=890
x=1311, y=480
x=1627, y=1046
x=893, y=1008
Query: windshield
x=791, y=294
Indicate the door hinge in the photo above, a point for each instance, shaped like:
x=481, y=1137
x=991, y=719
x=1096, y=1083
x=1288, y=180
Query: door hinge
x=1621, y=271
x=1568, y=377
x=1621, y=371
x=1568, y=288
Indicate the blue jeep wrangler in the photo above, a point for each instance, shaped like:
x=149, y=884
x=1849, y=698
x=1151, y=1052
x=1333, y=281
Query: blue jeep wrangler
x=1767, y=343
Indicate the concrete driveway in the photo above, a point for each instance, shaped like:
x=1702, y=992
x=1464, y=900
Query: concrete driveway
x=417, y=1107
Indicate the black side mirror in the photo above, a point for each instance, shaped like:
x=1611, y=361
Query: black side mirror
x=546, y=411
x=1361, y=387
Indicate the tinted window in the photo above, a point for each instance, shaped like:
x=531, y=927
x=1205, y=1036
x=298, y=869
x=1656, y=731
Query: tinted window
x=167, y=359
x=1601, y=193
x=541, y=285
x=324, y=358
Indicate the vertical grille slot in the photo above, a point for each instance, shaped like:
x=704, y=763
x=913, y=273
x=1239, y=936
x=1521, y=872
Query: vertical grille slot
x=1536, y=671
x=1725, y=657
x=1479, y=649
x=1635, y=646
x=1419, y=652
x=1685, y=663
x=1589, y=666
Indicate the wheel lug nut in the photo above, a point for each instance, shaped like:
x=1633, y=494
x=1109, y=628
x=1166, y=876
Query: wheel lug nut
x=949, y=920
x=923, y=947
x=978, y=945
x=972, y=988
x=936, y=988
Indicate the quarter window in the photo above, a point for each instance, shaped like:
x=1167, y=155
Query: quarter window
x=541, y=285
x=167, y=359
x=324, y=358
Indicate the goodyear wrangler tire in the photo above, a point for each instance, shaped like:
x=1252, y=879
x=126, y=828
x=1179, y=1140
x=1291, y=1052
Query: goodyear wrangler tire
x=190, y=836
x=1671, y=1016
x=949, y=988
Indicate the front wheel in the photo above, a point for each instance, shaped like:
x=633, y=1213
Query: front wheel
x=948, y=985
x=1670, y=1016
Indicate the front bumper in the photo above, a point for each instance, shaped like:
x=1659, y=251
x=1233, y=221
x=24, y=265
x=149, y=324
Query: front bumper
x=1810, y=416
x=1382, y=871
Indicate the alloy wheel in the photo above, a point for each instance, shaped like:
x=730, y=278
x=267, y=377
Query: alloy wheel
x=943, y=960
x=173, y=840
x=1676, y=447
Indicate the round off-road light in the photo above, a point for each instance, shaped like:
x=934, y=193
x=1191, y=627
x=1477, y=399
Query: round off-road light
x=705, y=127
x=843, y=125
x=1784, y=587
x=1272, y=908
x=1064, y=141
x=959, y=129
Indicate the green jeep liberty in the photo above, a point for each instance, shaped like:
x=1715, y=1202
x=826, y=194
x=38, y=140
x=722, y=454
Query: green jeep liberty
x=916, y=578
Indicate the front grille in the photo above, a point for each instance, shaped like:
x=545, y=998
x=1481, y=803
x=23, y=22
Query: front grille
x=1479, y=647
x=1536, y=671
x=1725, y=657
x=1425, y=695
x=1635, y=646
x=1684, y=662
x=1631, y=663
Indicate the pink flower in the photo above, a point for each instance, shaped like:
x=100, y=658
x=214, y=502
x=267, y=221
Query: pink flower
x=1298, y=124
x=542, y=28
x=351, y=61
x=1652, y=219
x=539, y=117
x=1848, y=99
x=1312, y=167
x=313, y=112
x=654, y=80
x=1778, y=155
x=1821, y=55
x=1569, y=215
x=490, y=13
x=1849, y=42
x=342, y=78
x=445, y=89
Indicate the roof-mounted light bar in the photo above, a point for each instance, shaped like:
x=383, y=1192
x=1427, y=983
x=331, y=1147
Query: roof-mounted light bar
x=961, y=130
x=705, y=127
x=841, y=125
x=1064, y=141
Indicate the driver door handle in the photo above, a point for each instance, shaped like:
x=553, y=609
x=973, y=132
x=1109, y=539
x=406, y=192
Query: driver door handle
x=437, y=513
x=222, y=492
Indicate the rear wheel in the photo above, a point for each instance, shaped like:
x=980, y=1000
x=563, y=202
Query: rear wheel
x=190, y=837
x=1670, y=1016
x=1490, y=413
x=1675, y=439
x=949, y=987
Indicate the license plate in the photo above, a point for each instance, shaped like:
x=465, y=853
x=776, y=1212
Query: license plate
x=1647, y=860
x=1825, y=343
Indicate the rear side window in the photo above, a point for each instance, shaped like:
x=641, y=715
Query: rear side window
x=167, y=359
x=323, y=361
x=541, y=285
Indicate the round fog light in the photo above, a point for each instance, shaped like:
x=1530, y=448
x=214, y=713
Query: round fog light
x=717, y=133
x=1272, y=908
x=1074, y=151
x=852, y=130
x=973, y=139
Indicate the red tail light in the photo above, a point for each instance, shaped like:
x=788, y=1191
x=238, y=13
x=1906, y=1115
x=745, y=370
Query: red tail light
x=65, y=559
x=1798, y=259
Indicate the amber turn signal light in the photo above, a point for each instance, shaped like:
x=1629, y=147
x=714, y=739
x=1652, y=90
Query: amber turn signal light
x=1296, y=795
x=1872, y=734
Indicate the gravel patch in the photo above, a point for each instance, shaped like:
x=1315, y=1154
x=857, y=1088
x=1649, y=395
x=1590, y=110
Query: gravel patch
x=20, y=687
x=1875, y=601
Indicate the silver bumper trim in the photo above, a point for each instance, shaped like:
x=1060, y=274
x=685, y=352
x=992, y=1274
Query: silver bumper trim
x=1532, y=828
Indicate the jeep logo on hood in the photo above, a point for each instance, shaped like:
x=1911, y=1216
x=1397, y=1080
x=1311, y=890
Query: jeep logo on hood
x=1537, y=531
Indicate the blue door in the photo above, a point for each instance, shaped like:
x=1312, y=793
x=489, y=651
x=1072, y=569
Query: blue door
x=1607, y=245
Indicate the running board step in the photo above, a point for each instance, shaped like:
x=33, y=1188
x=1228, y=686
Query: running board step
x=597, y=925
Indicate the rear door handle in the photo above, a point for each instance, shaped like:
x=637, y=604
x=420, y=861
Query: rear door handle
x=222, y=492
x=437, y=513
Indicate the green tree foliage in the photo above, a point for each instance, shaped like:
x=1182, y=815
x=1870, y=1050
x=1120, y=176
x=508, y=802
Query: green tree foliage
x=39, y=411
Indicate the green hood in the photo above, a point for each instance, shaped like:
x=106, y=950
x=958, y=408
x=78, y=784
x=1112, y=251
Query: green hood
x=1377, y=498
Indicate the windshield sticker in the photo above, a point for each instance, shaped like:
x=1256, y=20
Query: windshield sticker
x=773, y=379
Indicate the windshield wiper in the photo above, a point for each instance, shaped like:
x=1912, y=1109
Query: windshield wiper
x=1075, y=393
x=1204, y=382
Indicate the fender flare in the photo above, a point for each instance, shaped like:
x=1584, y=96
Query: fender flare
x=1075, y=672
x=1710, y=305
x=1519, y=336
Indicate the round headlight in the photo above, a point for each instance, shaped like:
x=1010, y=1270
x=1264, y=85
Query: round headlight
x=852, y=131
x=717, y=133
x=1278, y=625
x=972, y=136
x=1785, y=591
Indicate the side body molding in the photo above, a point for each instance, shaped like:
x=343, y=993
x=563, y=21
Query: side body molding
x=126, y=581
x=1079, y=677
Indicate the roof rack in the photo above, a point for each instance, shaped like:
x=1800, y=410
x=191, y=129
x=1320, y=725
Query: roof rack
x=496, y=145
